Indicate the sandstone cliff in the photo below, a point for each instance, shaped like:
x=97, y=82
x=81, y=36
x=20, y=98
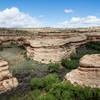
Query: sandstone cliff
x=49, y=45
x=53, y=48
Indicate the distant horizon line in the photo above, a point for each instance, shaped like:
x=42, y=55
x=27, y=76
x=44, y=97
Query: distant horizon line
x=48, y=27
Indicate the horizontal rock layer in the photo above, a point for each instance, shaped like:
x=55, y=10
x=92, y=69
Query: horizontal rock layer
x=90, y=61
x=7, y=81
x=88, y=74
x=49, y=45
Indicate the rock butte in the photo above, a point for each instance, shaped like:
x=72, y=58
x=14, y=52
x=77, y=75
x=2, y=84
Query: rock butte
x=7, y=81
x=88, y=74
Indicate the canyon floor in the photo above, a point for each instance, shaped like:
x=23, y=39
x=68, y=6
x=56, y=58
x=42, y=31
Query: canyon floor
x=24, y=70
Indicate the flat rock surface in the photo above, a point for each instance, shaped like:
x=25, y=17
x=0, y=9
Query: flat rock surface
x=90, y=60
x=56, y=40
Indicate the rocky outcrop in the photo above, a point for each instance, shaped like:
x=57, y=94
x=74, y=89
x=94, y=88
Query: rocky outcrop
x=88, y=73
x=56, y=46
x=49, y=45
x=7, y=81
x=52, y=45
x=53, y=48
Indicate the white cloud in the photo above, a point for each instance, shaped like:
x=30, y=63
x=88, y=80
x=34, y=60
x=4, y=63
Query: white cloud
x=68, y=10
x=14, y=18
x=75, y=22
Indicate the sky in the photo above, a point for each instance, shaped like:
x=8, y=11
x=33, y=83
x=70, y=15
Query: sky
x=49, y=13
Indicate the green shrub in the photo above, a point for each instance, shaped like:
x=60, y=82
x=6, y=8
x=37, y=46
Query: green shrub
x=1, y=48
x=93, y=45
x=96, y=94
x=74, y=56
x=26, y=57
x=50, y=80
x=87, y=93
x=67, y=91
x=62, y=91
x=37, y=83
x=70, y=64
x=47, y=97
x=21, y=46
x=84, y=53
x=35, y=93
x=8, y=46
x=53, y=67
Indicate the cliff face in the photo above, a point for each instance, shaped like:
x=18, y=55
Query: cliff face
x=88, y=73
x=49, y=45
x=53, y=48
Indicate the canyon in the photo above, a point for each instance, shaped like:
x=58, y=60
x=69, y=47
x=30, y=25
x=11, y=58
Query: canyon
x=46, y=45
x=49, y=45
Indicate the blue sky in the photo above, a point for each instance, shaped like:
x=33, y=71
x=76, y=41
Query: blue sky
x=53, y=13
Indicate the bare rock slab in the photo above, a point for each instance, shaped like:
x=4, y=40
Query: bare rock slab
x=90, y=61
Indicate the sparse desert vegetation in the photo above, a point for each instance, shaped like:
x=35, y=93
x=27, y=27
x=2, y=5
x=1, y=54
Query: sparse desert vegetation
x=49, y=50
x=50, y=86
x=41, y=77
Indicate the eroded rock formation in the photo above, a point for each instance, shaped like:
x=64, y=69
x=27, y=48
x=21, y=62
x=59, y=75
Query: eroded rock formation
x=7, y=81
x=49, y=45
x=88, y=73
x=53, y=48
